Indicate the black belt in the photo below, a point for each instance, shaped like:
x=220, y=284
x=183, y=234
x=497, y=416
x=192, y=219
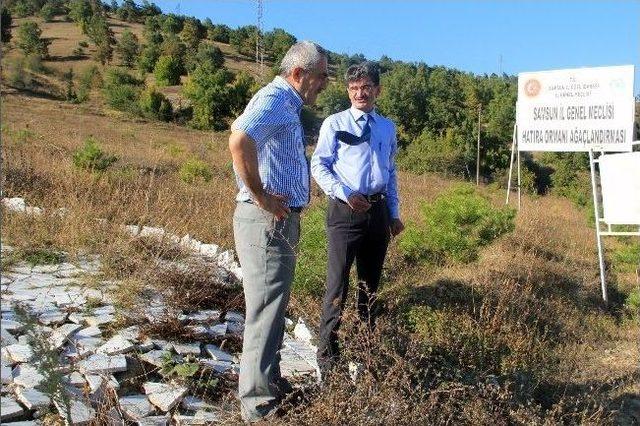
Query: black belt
x=374, y=198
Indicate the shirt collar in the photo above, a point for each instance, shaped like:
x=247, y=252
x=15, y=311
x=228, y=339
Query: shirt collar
x=294, y=96
x=357, y=114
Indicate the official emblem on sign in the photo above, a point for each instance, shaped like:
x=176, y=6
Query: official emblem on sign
x=532, y=88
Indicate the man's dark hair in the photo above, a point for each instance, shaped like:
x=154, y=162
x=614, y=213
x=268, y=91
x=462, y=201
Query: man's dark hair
x=363, y=70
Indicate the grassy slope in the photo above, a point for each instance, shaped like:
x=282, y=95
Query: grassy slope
x=552, y=248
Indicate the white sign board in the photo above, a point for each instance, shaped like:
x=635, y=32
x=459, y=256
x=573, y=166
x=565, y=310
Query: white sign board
x=576, y=109
x=620, y=183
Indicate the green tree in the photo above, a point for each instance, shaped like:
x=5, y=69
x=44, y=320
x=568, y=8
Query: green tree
x=167, y=71
x=102, y=36
x=171, y=24
x=128, y=11
x=128, y=48
x=219, y=33
x=152, y=31
x=80, y=12
x=191, y=33
x=154, y=104
x=243, y=39
x=277, y=43
x=29, y=40
x=210, y=93
x=333, y=99
x=148, y=57
x=404, y=100
x=47, y=12
x=6, y=25
x=205, y=53
x=244, y=86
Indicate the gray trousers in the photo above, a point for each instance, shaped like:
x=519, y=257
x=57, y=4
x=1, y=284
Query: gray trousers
x=267, y=252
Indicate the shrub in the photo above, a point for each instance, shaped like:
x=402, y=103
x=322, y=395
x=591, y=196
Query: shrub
x=47, y=12
x=167, y=71
x=311, y=266
x=430, y=153
x=633, y=302
x=17, y=75
x=89, y=79
x=29, y=40
x=454, y=227
x=154, y=104
x=91, y=157
x=121, y=90
x=627, y=257
x=194, y=170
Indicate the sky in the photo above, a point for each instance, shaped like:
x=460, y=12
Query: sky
x=481, y=37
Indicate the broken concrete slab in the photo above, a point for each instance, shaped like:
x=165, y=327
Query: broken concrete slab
x=27, y=376
x=206, y=315
x=131, y=333
x=116, y=345
x=193, y=403
x=154, y=421
x=186, y=348
x=98, y=320
x=33, y=399
x=219, y=367
x=95, y=382
x=88, y=332
x=155, y=357
x=218, y=354
x=5, y=374
x=164, y=396
x=52, y=317
x=19, y=352
x=233, y=316
x=11, y=326
x=7, y=338
x=62, y=333
x=78, y=413
x=103, y=364
x=136, y=407
x=146, y=345
x=75, y=379
x=10, y=409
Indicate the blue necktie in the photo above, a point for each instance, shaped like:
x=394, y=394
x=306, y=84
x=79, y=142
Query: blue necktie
x=366, y=129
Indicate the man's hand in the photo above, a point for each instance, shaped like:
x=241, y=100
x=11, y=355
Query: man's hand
x=358, y=203
x=396, y=227
x=275, y=204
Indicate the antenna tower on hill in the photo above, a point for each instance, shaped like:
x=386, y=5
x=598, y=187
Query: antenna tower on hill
x=259, y=40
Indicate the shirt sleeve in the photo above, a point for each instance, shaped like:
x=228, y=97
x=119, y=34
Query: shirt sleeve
x=393, y=203
x=261, y=120
x=322, y=163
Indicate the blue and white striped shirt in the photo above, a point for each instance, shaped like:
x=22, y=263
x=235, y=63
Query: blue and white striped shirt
x=272, y=120
x=368, y=168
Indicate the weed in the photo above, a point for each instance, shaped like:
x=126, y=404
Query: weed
x=454, y=227
x=91, y=157
x=195, y=170
x=311, y=263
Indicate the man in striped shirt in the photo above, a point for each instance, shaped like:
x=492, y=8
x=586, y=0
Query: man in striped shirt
x=272, y=174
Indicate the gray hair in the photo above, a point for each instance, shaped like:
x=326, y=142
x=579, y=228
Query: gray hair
x=363, y=70
x=305, y=54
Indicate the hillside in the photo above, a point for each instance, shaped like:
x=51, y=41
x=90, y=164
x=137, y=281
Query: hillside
x=515, y=335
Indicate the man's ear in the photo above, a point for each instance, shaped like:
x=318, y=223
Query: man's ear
x=296, y=74
x=378, y=90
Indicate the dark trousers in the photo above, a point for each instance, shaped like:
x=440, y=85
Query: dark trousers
x=360, y=236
